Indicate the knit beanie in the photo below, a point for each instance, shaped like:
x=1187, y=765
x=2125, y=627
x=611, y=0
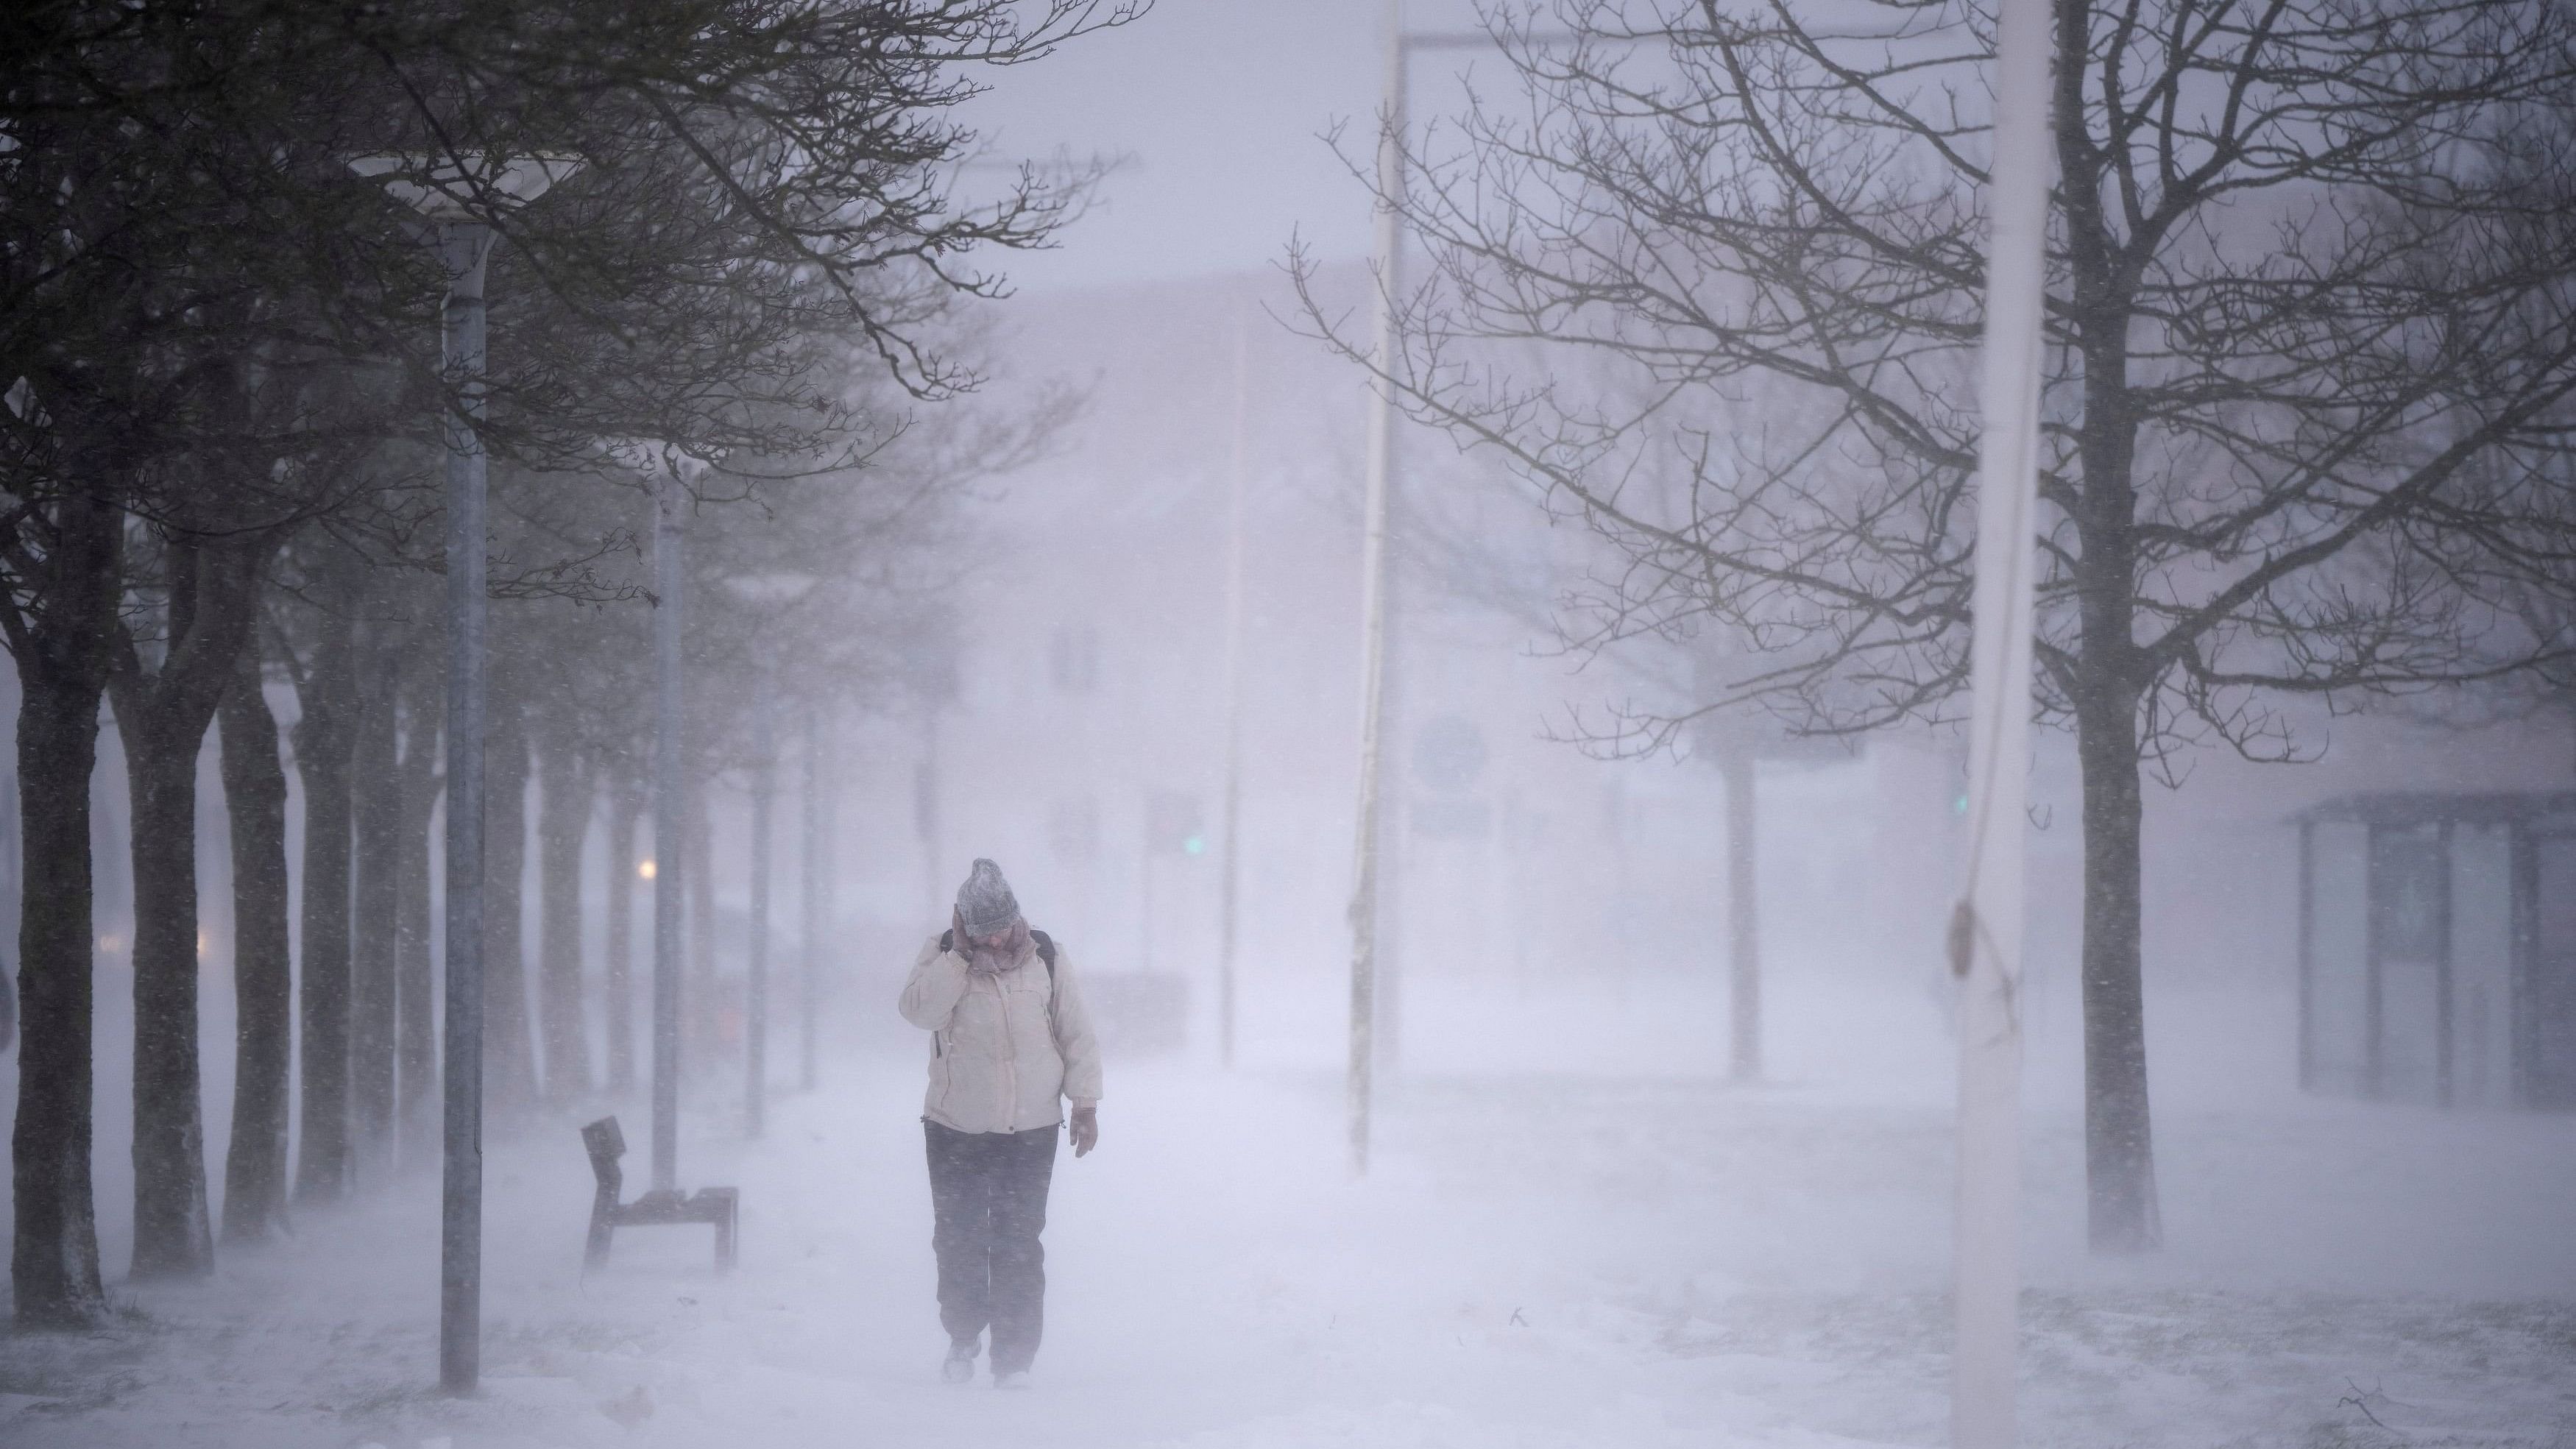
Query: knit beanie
x=985, y=900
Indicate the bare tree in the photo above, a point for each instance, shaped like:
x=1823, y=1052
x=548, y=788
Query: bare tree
x=567, y=775
x=416, y=1047
x=164, y=704
x=263, y=969
x=762, y=186
x=2308, y=350
x=375, y=898
x=330, y=703
x=617, y=983
x=509, y=1043
x=60, y=621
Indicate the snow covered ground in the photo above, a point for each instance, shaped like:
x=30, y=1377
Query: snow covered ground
x=1538, y=1261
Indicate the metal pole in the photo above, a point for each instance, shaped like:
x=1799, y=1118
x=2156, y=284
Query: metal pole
x=764, y=776
x=1388, y=993
x=1145, y=904
x=669, y=821
x=815, y=914
x=1986, y=929
x=463, y=246
x=1230, y=884
x=925, y=798
x=1373, y=581
x=1743, y=936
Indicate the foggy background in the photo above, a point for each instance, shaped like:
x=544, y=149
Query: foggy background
x=1578, y=1231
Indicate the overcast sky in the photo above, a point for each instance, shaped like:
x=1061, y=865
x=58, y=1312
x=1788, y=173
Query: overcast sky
x=1221, y=103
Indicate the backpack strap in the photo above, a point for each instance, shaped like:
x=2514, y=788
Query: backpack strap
x=1046, y=953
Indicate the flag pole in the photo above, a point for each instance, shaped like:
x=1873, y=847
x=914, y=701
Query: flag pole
x=1986, y=926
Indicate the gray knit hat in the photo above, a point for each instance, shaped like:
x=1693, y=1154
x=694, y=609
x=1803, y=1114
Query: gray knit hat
x=985, y=900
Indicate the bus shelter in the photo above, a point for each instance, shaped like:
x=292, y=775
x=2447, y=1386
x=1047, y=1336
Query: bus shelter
x=2437, y=949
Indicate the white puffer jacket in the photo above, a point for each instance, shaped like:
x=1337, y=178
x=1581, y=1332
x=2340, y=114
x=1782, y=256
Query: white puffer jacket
x=1004, y=1048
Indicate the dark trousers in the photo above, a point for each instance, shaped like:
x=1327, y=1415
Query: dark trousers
x=988, y=1196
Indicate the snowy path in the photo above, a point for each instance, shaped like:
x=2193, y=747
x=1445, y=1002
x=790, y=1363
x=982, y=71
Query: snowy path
x=1539, y=1264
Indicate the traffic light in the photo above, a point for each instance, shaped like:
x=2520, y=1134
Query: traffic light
x=1173, y=825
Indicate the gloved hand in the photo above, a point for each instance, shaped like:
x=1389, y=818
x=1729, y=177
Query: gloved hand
x=982, y=963
x=1086, y=1127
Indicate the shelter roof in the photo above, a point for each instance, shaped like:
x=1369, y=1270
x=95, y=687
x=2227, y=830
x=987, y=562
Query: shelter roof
x=2433, y=807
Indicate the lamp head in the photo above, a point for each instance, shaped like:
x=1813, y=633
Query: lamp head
x=654, y=455
x=776, y=589
x=464, y=185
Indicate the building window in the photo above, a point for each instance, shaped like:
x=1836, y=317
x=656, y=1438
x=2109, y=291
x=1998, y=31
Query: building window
x=1074, y=661
x=1073, y=829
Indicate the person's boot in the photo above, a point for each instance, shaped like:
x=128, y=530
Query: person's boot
x=960, y=1365
x=1011, y=1379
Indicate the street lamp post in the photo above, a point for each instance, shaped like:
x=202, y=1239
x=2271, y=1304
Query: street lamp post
x=764, y=779
x=1372, y=1017
x=1374, y=570
x=671, y=473
x=817, y=882
x=1238, y=524
x=463, y=246
x=457, y=193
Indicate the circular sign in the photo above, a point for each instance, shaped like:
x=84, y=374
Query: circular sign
x=1449, y=754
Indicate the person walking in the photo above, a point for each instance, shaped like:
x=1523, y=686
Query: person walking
x=1010, y=1042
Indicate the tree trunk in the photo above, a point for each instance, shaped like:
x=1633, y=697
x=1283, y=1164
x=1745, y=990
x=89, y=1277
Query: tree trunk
x=563, y=823
x=509, y=1052
x=376, y=801
x=755, y=956
x=415, y=975
x=263, y=976
x=2119, y=1146
x=173, y=1236
x=54, y=1255
x=625, y=806
x=697, y=863
x=1743, y=937
x=820, y=783
x=162, y=713
x=323, y=741
x=62, y=660
x=2119, y=1150
x=11, y=894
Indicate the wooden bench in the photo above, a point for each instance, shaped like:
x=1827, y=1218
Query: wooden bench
x=660, y=1207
